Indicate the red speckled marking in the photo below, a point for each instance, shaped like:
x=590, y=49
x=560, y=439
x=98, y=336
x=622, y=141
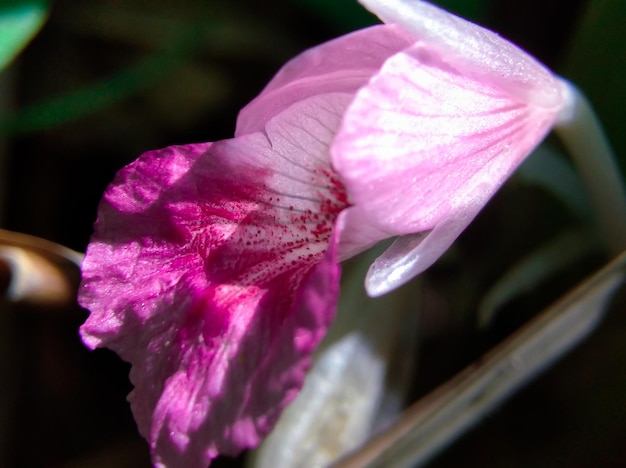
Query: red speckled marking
x=255, y=239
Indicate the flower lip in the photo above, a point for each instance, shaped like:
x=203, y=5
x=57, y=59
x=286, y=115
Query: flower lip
x=217, y=288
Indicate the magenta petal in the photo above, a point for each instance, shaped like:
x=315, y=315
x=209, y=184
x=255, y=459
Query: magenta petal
x=214, y=273
x=221, y=404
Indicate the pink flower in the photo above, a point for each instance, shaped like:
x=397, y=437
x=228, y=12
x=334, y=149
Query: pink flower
x=214, y=267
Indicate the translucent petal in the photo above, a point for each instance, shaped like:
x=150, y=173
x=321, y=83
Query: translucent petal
x=423, y=146
x=341, y=65
x=480, y=53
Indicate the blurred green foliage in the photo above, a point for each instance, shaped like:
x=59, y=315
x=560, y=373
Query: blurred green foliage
x=19, y=22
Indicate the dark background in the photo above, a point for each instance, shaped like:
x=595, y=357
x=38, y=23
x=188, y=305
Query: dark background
x=106, y=80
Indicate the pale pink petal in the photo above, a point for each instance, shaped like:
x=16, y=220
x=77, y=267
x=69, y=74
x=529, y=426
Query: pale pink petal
x=481, y=54
x=411, y=254
x=213, y=271
x=424, y=142
x=340, y=65
x=357, y=233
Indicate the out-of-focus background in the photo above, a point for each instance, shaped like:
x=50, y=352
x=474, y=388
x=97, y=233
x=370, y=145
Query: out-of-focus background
x=105, y=80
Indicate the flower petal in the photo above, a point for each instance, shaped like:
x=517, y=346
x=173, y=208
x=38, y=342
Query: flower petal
x=480, y=53
x=213, y=271
x=424, y=142
x=341, y=65
x=411, y=254
x=215, y=405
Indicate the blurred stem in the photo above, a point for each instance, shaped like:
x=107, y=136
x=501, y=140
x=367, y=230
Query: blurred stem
x=441, y=417
x=39, y=245
x=583, y=136
x=533, y=269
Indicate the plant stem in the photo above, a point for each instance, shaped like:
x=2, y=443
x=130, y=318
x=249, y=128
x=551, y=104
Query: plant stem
x=438, y=419
x=583, y=136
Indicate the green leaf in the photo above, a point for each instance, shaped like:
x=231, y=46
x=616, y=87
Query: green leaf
x=442, y=416
x=102, y=94
x=19, y=22
x=547, y=261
